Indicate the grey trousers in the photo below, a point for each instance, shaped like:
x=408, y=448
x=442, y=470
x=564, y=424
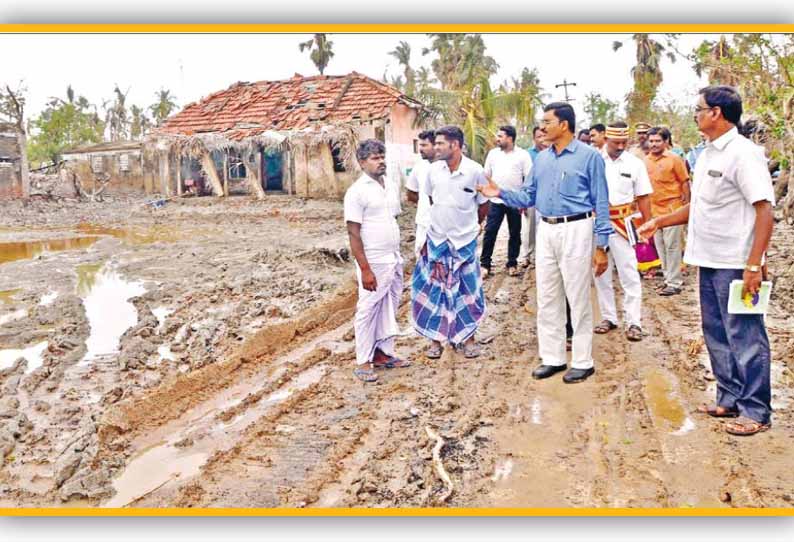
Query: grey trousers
x=738, y=347
x=670, y=249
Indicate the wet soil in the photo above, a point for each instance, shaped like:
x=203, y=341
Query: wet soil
x=228, y=383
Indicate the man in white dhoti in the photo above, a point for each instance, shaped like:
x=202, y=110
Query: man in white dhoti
x=375, y=245
x=629, y=194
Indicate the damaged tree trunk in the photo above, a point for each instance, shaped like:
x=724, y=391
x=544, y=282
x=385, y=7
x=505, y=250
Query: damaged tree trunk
x=212, y=174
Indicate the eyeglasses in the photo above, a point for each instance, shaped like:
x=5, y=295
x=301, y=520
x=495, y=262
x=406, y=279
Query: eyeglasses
x=545, y=122
x=698, y=109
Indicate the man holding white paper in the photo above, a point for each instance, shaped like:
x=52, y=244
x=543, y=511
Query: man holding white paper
x=730, y=224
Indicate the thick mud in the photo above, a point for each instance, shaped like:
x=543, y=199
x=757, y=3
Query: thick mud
x=200, y=355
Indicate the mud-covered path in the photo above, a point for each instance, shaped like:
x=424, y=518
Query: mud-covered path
x=276, y=419
x=627, y=437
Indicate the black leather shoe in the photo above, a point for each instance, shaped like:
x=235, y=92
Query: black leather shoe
x=545, y=371
x=577, y=375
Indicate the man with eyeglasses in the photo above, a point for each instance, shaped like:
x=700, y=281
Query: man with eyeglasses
x=568, y=187
x=730, y=224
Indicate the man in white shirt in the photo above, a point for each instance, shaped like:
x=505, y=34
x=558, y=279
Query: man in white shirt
x=415, y=183
x=507, y=165
x=730, y=224
x=375, y=245
x=629, y=189
x=447, y=297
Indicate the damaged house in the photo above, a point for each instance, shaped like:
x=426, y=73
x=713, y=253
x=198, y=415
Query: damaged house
x=296, y=136
x=10, y=162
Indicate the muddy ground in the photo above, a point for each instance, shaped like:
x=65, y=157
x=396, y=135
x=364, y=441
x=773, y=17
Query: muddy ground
x=200, y=355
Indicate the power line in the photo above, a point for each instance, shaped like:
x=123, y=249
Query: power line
x=566, y=84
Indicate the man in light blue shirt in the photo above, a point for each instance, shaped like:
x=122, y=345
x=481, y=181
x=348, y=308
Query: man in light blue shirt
x=568, y=188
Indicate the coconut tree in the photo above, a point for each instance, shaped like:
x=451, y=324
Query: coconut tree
x=116, y=117
x=403, y=55
x=714, y=58
x=647, y=73
x=320, y=51
x=163, y=107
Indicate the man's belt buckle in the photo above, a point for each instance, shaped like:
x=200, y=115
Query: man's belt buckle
x=553, y=220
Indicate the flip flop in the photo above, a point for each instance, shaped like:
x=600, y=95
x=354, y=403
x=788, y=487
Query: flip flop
x=745, y=427
x=471, y=350
x=716, y=411
x=392, y=363
x=634, y=333
x=365, y=375
x=604, y=327
x=434, y=351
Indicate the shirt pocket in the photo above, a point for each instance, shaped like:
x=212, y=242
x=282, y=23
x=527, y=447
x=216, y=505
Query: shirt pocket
x=572, y=183
x=463, y=193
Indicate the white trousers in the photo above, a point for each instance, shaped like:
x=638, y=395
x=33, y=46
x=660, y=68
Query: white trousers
x=421, y=237
x=623, y=257
x=563, y=266
x=528, y=229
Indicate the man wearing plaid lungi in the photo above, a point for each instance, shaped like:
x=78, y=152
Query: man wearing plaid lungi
x=448, y=300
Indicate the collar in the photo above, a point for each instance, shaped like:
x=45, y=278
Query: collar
x=366, y=178
x=570, y=147
x=605, y=155
x=664, y=154
x=721, y=142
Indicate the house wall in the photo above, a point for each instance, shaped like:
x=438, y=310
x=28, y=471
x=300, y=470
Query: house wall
x=10, y=178
x=120, y=181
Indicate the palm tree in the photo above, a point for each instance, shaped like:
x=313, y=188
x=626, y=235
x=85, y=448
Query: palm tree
x=647, y=74
x=403, y=55
x=163, y=107
x=715, y=59
x=140, y=123
x=116, y=116
x=320, y=51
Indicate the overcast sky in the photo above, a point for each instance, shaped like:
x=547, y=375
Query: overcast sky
x=193, y=66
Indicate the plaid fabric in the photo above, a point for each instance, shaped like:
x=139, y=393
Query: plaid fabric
x=448, y=299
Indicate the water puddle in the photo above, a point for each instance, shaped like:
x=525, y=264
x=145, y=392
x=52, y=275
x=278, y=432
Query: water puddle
x=503, y=470
x=152, y=469
x=106, y=296
x=48, y=298
x=25, y=250
x=688, y=426
x=34, y=354
x=7, y=296
x=161, y=313
x=183, y=450
x=665, y=405
x=134, y=236
x=11, y=316
x=164, y=351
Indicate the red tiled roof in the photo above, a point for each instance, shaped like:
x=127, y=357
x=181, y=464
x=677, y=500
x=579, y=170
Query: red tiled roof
x=246, y=109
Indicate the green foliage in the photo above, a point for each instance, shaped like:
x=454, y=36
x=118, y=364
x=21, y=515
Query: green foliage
x=600, y=109
x=163, y=107
x=63, y=125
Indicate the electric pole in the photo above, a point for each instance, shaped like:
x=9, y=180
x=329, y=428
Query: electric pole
x=565, y=84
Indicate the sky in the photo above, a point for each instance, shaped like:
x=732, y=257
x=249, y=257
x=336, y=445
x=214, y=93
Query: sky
x=195, y=65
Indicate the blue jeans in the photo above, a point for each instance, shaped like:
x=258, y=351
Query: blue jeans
x=738, y=347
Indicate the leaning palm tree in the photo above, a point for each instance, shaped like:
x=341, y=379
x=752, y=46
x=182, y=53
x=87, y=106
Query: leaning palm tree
x=320, y=51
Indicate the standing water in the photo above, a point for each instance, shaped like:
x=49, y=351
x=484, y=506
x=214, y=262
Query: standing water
x=106, y=297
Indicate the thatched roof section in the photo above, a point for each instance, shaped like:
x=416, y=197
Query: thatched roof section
x=340, y=136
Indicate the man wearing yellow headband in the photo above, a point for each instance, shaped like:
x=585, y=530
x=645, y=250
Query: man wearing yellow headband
x=629, y=189
x=641, y=148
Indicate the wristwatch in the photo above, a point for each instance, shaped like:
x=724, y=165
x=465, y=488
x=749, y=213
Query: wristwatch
x=752, y=268
x=605, y=248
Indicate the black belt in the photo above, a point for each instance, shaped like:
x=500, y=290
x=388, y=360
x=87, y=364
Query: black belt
x=569, y=218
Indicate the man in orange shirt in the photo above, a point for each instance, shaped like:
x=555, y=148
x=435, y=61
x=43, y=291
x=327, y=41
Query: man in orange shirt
x=670, y=182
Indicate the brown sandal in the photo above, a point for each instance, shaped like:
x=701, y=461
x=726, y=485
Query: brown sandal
x=604, y=327
x=634, y=333
x=745, y=427
x=716, y=411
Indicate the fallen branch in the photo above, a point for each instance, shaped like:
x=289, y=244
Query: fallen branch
x=439, y=466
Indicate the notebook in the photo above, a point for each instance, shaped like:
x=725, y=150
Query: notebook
x=756, y=304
